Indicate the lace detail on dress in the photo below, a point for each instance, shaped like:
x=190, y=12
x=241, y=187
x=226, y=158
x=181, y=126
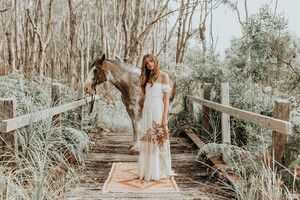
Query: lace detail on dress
x=158, y=134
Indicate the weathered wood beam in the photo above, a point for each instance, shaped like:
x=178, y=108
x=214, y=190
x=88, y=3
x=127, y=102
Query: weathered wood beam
x=225, y=118
x=80, y=108
x=206, y=111
x=7, y=111
x=278, y=125
x=190, y=106
x=279, y=140
x=18, y=122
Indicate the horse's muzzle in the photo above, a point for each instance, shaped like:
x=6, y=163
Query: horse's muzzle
x=88, y=88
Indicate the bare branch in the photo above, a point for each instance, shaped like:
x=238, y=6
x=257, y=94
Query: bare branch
x=169, y=37
x=246, y=10
x=5, y=9
x=276, y=4
x=149, y=27
x=238, y=14
x=290, y=65
x=294, y=84
x=34, y=27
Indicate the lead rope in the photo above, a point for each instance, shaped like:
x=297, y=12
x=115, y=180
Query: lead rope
x=94, y=88
x=93, y=100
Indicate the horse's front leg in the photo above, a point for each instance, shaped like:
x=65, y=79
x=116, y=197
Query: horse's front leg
x=133, y=113
x=136, y=125
x=136, y=129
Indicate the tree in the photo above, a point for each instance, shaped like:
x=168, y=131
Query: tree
x=269, y=45
x=135, y=39
x=185, y=21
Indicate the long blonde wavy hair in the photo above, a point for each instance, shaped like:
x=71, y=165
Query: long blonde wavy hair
x=148, y=77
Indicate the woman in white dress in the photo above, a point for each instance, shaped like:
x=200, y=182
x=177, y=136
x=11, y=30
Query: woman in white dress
x=155, y=158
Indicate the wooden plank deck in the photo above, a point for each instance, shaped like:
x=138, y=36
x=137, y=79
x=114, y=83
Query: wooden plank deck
x=192, y=176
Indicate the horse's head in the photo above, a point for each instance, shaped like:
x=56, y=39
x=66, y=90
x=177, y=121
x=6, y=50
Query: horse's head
x=97, y=75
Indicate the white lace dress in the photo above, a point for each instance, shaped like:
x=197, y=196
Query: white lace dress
x=155, y=158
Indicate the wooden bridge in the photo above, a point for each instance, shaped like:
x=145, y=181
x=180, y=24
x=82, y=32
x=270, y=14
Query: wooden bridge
x=193, y=175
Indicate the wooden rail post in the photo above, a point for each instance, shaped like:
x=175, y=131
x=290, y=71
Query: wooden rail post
x=8, y=110
x=279, y=140
x=56, y=101
x=190, y=106
x=206, y=111
x=226, y=137
x=80, y=108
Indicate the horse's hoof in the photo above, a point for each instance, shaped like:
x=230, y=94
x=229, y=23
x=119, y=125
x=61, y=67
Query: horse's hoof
x=134, y=150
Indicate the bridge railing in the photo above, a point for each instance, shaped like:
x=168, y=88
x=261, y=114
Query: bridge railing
x=10, y=123
x=280, y=124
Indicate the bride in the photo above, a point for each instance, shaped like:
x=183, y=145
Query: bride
x=155, y=158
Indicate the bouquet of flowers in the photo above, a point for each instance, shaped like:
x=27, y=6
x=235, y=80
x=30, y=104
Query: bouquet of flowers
x=158, y=134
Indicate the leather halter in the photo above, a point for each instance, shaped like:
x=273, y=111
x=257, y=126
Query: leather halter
x=94, y=87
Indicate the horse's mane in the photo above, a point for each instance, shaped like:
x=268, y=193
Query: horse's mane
x=126, y=67
x=113, y=61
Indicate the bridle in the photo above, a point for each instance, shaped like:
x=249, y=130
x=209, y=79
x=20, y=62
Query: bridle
x=94, y=87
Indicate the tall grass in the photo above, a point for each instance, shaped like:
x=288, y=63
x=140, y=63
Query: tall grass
x=255, y=176
x=43, y=166
x=37, y=169
x=252, y=176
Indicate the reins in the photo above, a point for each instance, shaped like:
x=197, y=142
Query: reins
x=94, y=88
x=93, y=100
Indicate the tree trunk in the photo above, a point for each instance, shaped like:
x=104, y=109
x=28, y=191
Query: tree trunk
x=88, y=44
x=102, y=28
x=183, y=35
x=16, y=38
x=142, y=39
x=28, y=68
x=11, y=53
x=22, y=35
x=202, y=25
x=43, y=38
x=179, y=32
x=81, y=52
x=133, y=34
x=117, y=28
x=125, y=29
x=72, y=39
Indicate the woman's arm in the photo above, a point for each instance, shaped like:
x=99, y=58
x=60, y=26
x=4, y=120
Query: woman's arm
x=166, y=100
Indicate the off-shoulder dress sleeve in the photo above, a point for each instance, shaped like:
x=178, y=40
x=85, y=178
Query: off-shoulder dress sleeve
x=166, y=88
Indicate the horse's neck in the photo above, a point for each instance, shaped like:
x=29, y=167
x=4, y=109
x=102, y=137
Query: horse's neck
x=120, y=77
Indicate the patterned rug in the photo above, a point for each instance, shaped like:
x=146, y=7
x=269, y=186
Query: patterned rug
x=123, y=178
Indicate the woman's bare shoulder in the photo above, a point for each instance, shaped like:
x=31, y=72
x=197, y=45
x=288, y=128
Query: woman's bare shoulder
x=163, y=75
x=165, y=78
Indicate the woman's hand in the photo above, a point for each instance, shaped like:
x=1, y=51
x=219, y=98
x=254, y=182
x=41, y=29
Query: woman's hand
x=164, y=122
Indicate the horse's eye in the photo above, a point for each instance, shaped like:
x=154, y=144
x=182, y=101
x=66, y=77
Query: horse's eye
x=95, y=71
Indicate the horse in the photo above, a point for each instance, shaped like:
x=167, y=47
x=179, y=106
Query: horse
x=126, y=79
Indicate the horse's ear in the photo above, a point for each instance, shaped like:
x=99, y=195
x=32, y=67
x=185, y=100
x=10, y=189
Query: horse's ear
x=99, y=61
x=102, y=59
